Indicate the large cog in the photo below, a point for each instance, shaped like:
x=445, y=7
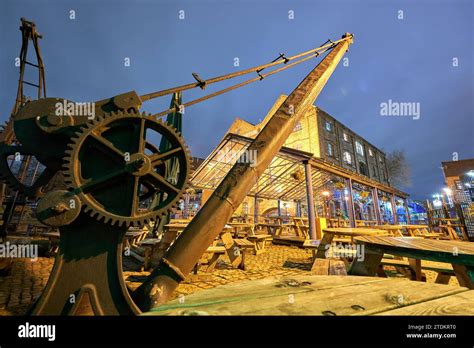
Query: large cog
x=119, y=175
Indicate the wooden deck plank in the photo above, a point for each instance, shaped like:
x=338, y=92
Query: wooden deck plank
x=456, y=252
x=267, y=286
x=309, y=295
x=458, y=304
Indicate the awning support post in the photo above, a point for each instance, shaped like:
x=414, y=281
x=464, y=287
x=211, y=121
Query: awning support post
x=310, y=200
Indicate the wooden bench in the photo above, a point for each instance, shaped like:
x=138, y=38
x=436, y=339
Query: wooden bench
x=445, y=272
x=458, y=253
x=235, y=250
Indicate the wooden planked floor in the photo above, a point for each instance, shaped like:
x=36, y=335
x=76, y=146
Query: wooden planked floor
x=325, y=295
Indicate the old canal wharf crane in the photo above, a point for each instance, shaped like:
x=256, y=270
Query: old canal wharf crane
x=114, y=179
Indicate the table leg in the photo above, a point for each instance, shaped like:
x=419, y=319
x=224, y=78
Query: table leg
x=443, y=278
x=259, y=246
x=211, y=264
x=278, y=230
x=465, y=275
x=324, y=245
x=232, y=250
x=242, y=263
x=320, y=267
x=369, y=265
x=415, y=265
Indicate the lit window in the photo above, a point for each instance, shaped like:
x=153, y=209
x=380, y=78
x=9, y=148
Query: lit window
x=346, y=156
x=298, y=127
x=328, y=126
x=345, y=136
x=330, y=153
x=359, y=148
x=371, y=153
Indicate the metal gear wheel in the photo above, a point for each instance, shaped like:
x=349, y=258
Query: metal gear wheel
x=120, y=177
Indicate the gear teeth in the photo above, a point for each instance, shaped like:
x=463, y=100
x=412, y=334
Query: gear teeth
x=90, y=206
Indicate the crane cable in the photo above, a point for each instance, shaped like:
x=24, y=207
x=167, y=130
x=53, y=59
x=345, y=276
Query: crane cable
x=328, y=45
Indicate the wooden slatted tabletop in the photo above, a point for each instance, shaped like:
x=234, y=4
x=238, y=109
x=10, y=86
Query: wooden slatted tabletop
x=330, y=233
x=458, y=253
x=451, y=251
x=352, y=232
x=325, y=295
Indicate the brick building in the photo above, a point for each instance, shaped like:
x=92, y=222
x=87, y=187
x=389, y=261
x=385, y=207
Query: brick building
x=349, y=176
x=322, y=135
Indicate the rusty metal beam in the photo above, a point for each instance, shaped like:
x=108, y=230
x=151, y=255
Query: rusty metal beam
x=211, y=219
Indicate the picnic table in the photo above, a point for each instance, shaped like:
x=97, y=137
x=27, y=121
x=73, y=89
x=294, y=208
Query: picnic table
x=269, y=228
x=330, y=233
x=394, y=230
x=242, y=229
x=364, y=223
x=419, y=231
x=259, y=241
x=447, y=226
x=300, y=226
x=225, y=244
x=325, y=296
x=458, y=253
x=324, y=265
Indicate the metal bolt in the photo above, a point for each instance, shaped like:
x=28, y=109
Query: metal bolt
x=60, y=208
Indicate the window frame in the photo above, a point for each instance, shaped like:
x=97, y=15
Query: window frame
x=345, y=156
x=359, y=146
x=330, y=150
x=328, y=123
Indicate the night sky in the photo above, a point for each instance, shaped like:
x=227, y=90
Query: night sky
x=403, y=60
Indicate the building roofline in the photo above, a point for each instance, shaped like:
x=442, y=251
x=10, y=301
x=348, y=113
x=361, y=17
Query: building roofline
x=357, y=134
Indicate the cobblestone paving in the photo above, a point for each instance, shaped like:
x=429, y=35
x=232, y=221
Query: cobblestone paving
x=28, y=278
x=277, y=260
